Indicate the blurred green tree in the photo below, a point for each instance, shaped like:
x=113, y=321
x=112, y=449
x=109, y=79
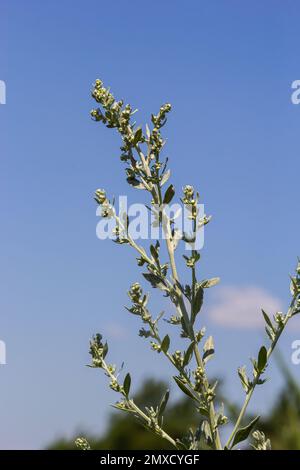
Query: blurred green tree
x=282, y=425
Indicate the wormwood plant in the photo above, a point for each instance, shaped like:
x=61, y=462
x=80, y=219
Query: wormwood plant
x=146, y=170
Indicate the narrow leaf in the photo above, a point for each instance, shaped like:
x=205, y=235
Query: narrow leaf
x=154, y=252
x=243, y=378
x=165, y=177
x=163, y=403
x=184, y=388
x=188, y=354
x=267, y=319
x=205, y=427
x=165, y=344
x=243, y=433
x=169, y=194
x=262, y=358
x=126, y=384
x=210, y=282
x=208, y=349
x=198, y=301
x=155, y=281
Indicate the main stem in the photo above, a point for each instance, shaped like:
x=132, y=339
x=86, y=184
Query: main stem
x=170, y=248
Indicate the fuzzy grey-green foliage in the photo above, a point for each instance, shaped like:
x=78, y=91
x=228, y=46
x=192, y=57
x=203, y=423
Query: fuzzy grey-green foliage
x=145, y=169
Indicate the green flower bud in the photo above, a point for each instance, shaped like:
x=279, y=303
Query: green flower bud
x=135, y=292
x=82, y=443
x=100, y=196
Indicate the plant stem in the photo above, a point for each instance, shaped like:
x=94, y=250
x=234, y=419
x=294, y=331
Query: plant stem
x=258, y=374
x=170, y=248
x=158, y=430
x=180, y=369
x=212, y=413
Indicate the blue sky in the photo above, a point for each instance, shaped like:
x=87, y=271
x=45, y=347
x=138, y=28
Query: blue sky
x=227, y=69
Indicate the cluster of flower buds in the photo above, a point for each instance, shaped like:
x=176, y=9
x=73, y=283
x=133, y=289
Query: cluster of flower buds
x=102, y=95
x=199, y=375
x=260, y=441
x=156, y=143
x=156, y=347
x=221, y=420
x=152, y=414
x=174, y=320
x=82, y=444
x=160, y=119
x=139, y=301
x=113, y=115
x=192, y=260
x=188, y=192
x=178, y=358
x=98, y=350
x=279, y=318
x=135, y=293
x=101, y=199
x=155, y=139
x=115, y=386
x=190, y=200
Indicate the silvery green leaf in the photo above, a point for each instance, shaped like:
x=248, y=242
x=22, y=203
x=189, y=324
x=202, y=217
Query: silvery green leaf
x=169, y=194
x=163, y=403
x=208, y=349
x=154, y=252
x=165, y=177
x=126, y=384
x=262, y=358
x=188, y=354
x=134, y=182
x=198, y=301
x=139, y=186
x=210, y=282
x=155, y=281
x=183, y=387
x=185, y=329
x=148, y=131
x=270, y=333
x=243, y=433
x=267, y=319
x=205, y=427
x=165, y=344
x=243, y=377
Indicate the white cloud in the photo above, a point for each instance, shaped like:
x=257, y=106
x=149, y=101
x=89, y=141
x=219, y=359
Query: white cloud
x=240, y=307
x=116, y=331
